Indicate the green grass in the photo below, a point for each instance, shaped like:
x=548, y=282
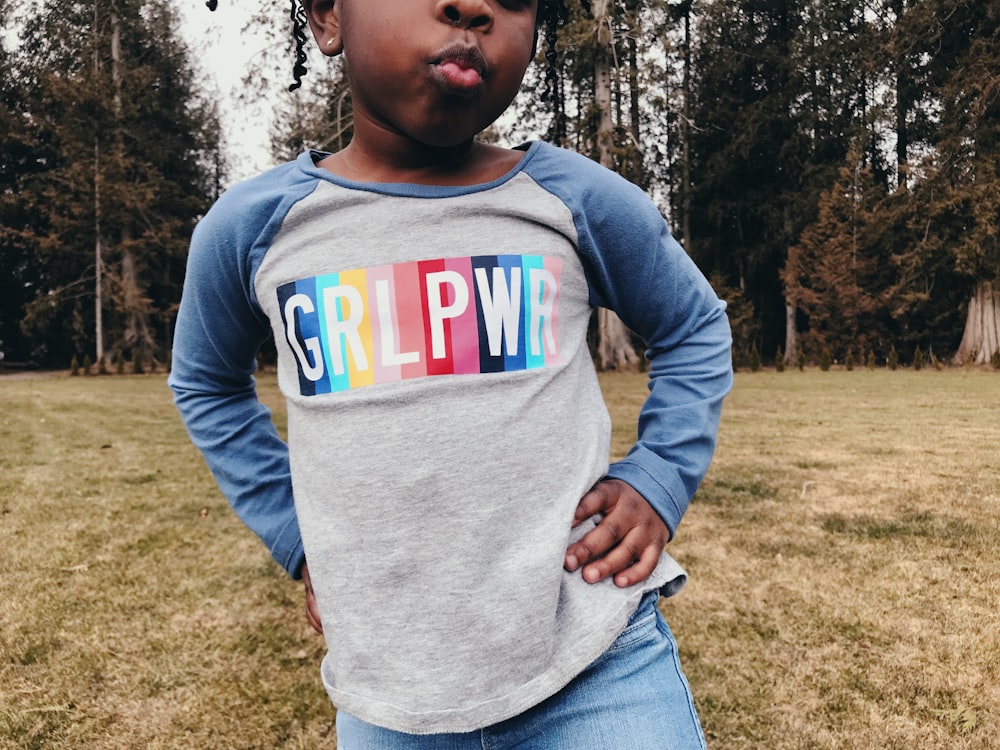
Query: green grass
x=844, y=555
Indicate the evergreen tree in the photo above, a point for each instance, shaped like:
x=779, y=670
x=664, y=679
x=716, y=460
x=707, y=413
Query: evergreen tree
x=831, y=275
x=746, y=144
x=302, y=124
x=964, y=173
x=129, y=162
x=21, y=155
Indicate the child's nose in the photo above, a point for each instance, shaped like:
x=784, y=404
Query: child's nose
x=466, y=14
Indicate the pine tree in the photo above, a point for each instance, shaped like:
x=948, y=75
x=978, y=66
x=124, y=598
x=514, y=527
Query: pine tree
x=831, y=275
x=127, y=167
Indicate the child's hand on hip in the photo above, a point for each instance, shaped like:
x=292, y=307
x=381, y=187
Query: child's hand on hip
x=626, y=543
x=312, y=611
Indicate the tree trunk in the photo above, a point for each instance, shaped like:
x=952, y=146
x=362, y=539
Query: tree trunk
x=791, y=335
x=137, y=335
x=614, y=349
x=904, y=96
x=981, y=339
x=134, y=304
x=98, y=250
x=686, y=134
x=98, y=260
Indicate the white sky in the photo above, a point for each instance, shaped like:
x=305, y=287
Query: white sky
x=223, y=53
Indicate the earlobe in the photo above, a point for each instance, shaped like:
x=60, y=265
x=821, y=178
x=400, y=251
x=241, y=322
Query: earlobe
x=324, y=21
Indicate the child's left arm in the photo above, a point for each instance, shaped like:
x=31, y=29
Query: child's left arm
x=636, y=268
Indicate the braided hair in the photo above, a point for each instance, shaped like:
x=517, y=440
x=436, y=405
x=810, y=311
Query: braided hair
x=551, y=15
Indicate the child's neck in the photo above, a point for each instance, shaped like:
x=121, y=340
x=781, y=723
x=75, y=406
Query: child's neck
x=470, y=163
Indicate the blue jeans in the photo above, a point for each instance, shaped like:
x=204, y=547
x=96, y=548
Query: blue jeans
x=633, y=697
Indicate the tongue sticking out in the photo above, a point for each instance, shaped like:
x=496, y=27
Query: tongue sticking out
x=458, y=76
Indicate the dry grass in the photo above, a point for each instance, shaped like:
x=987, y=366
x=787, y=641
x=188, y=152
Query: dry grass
x=137, y=612
x=843, y=557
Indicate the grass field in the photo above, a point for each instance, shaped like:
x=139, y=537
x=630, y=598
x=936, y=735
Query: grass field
x=844, y=555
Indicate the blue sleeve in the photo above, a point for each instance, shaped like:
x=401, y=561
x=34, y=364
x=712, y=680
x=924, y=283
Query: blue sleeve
x=637, y=269
x=218, y=334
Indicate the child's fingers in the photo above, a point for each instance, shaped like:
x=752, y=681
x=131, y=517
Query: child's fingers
x=312, y=613
x=641, y=570
x=630, y=561
x=312, y=609
x=599, y=500
x=596, y=543
x=625, y=544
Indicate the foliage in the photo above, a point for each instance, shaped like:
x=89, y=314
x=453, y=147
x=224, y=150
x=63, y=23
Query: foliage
x=838, y=158
x=825, y=359
x=832, y=276
x=113, y=158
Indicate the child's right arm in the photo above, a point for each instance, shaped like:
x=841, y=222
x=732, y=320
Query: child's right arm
x=218, y=334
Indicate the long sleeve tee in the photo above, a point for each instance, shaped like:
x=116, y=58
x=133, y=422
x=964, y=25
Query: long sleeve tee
x=444, y=415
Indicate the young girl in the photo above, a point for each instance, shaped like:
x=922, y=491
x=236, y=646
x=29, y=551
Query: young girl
x=482, y=576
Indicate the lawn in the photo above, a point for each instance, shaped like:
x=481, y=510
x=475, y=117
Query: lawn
x=844, y=555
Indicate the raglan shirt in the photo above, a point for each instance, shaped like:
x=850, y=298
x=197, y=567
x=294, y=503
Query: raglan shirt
x=444, y=415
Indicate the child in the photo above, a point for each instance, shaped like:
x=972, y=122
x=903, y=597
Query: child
x=483, y=578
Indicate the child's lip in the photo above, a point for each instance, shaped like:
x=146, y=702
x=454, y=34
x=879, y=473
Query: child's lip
x=460, y=67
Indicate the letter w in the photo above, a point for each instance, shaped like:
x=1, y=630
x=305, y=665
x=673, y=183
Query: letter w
x=501, y=308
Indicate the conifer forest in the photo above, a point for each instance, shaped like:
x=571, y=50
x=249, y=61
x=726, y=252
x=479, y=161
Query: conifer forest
x=833, y=166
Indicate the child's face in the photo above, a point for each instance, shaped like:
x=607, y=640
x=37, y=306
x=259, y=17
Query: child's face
x=436, y=72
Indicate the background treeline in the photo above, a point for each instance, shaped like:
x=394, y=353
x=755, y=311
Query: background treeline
x=108, y=154
x=831, y=165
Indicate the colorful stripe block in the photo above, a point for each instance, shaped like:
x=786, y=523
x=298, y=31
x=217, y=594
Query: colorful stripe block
x=437, y=317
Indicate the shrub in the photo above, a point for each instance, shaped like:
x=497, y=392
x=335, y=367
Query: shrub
x=779, y=360
x=871, y=360
x=893, y=360
x=74, y=366
x=849, y=360
x=754, y=359
x=87, y=364
x=918, y=359
x=825, y=360
x=801, y=361
x=995, y=360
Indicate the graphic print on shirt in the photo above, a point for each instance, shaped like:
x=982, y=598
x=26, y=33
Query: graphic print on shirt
x=480, y=314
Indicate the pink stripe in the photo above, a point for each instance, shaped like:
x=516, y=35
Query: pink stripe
x=554, y=266
x=410, y=318
x=465, y=328
x=383, y=329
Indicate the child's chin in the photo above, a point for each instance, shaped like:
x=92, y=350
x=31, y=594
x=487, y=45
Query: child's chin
x=451, y=139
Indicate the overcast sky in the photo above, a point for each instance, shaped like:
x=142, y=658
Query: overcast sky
x=222, y=52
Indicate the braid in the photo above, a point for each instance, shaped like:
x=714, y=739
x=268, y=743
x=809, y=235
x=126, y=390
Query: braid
x=552, y=14
x=299, y=23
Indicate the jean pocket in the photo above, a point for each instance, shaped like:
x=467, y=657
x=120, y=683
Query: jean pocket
x=641, y=625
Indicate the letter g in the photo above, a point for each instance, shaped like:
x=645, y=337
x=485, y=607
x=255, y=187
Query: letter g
x=312, y=371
